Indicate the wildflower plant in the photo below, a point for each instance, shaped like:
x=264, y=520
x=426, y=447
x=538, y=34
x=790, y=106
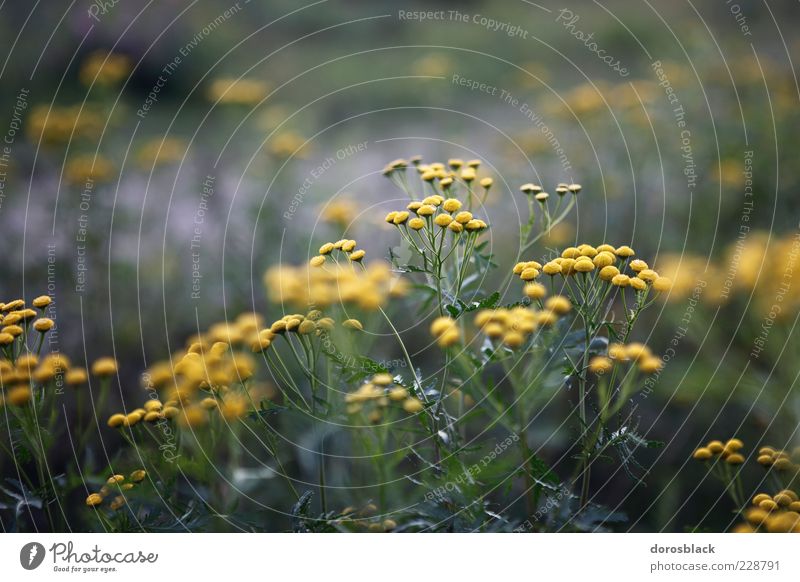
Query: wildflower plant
x=447, y=425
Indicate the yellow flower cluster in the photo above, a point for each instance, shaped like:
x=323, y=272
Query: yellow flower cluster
x=80, y=169
x=310, y=323
x=436, y=213
x=608, y=263
x=21, y=367
x=445, y=174
x=619, y=354
x=230, y=91
x=116, y=484
x=513, y=326
x=156, y=152
x=61, y=124
x=779, y=459
x=445, y=330
x=368, y=288
x=210, y=375
x=288, y=143
x=104, y=69
x=346, y=247
x=729, y=451
x=762, y=265
x=377, y=395
x=779, y=513
x=540, y=195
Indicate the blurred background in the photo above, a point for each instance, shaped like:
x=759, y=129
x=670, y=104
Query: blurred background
x=159, y=157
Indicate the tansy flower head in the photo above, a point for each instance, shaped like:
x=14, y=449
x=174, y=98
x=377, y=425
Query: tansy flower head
x=535, y=290
x=413, y=405
x=600, y=365
x=41, y=302
x=530, y=188
x=357, y=256
x=104, y=367
x=558, y=304
x=637, y=283
x=451, y=205
x=353, y=324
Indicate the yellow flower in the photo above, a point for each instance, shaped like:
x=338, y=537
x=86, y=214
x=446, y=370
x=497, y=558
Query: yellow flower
x=443, y=220
x=389, y=217
x=353, y=324
x=608, y=273
x=104, y=367
x=441, y=325
x=662, y=284
x=551, y=268
x=600, y=365
x=400, y=217
x=603, y=259
x=702, y=454
x=357, y=256
x=535, y=290
x=326, y=249
x=620, y=280
x=19, y=396
x=638, y=265
x=43, y=324
x=114, y=479
x=94, y=499
x=468, y=174
x=648, y=275
x=116, y=420
x=486, y=182
x=455, y=226
x=624, y=252
x=426, y=210
x=558, y=304
x=412, y=405
x=637, y=283
x=398, y=394
x=42, y=301
x=416, y=224
x=75, y=377
x=463, y=217
x=583, y=265
x=451, y=205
